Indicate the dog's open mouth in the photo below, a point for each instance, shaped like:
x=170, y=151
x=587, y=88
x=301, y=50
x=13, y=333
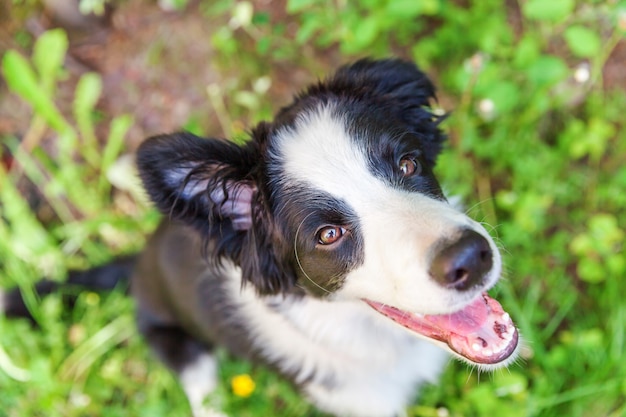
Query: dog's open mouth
x=482, y=332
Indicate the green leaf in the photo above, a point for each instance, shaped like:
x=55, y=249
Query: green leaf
x=19, y=75
x=504, y=94
x=527, y=50
x=408, y=9
x=48, y=55
x=261, y=19
x=593, y=141
x=264, y=45
x=362, y=36
x=22, y=80
x=582, y=245
x=620, y=17
x=551, y=10
x=547, y=70
x=616, y=264
x=307, y=29
x=87, y=93
x=590, y=271
x=296, y=6
x=606, y=230
x=582, y=41
x=247, y=99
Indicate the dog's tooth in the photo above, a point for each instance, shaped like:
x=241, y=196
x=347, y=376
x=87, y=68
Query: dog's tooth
x=505, y=317
x=476, y=347
x=487, y=352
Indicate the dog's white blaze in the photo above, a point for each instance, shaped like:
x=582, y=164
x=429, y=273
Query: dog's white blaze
x=398, y=226
x=318, y=151
x=372, y=369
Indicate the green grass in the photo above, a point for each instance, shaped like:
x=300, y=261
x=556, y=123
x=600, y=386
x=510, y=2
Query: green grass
x=537, y=155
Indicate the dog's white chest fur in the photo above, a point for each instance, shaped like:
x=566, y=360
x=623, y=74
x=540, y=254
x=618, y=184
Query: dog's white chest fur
x=346, y=357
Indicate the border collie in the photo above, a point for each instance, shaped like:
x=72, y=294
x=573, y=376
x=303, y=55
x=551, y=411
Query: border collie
x=323, y=247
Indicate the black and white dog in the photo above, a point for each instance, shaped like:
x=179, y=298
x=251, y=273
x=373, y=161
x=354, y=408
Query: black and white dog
x=323, y=247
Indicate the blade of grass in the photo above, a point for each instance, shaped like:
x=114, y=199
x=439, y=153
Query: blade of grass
x=569, y=300
x=575, y=394
x=13, y=371
x=77, y=364
x=39, y=177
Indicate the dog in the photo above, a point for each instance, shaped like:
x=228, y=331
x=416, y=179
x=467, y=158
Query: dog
x=323, y=247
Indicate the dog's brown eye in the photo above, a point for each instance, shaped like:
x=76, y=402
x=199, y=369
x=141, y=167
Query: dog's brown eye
x=330, y=234
x=409, y=166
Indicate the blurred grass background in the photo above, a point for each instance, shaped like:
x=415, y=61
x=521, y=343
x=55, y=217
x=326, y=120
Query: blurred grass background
x=537, y=151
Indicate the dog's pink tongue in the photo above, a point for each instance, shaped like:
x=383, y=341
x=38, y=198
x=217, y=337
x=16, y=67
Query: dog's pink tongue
x=470, y=319
x=482, y=332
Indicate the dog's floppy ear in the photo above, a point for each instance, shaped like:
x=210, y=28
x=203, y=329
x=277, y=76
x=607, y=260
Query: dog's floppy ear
x=198, y=180
x=397, y=86
x=212, y=185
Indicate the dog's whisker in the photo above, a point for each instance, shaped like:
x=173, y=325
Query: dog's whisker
x=470, y=209
x=307, y=275
x=295, y=250
x=469, y=374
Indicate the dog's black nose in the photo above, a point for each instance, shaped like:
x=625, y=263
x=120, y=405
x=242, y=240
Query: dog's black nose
x=463, y=263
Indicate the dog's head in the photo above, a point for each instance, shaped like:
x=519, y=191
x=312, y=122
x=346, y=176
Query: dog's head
x=337, y=196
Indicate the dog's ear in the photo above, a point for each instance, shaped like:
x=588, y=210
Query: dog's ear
x=392, y=79
x=213, y=185
x=396, y=86
x=198, y=180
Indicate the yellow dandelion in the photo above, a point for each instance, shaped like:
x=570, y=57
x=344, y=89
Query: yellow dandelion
x=242, y=385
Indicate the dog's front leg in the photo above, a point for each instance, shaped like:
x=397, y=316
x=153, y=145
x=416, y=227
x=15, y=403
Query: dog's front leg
x=193, y=362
